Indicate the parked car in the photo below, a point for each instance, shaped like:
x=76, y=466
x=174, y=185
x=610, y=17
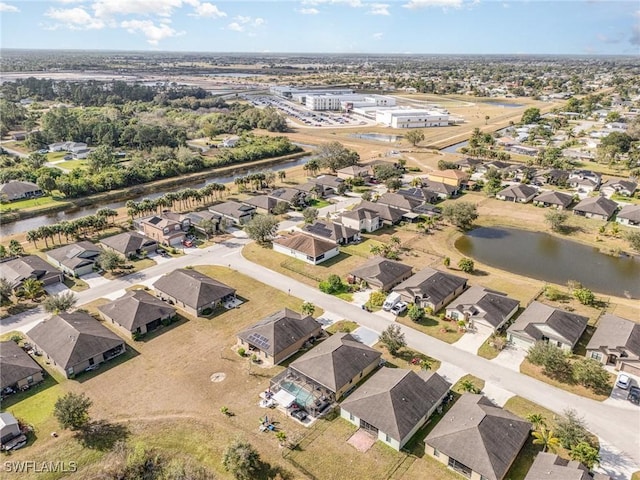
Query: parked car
x=634, y=395
x=399, y=308
x=623, y=382
x=299, y=414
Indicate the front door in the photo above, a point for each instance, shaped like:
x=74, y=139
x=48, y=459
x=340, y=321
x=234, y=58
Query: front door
x=612, y=359
x=368, y=427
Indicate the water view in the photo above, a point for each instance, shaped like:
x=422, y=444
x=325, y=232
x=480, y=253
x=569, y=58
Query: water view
x=552, y=259
x=378, y=137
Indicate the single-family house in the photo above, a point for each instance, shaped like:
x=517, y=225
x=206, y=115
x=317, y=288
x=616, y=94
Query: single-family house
x=197, y=218
x=306, y=248
x=192, y=291
x=167, y=228
x=468, y=164
x=477, y=439
x=517, y=193
x=549, y=466
x=424, y=195
x=598, y=207
x=330, y=369
x=616, y=342
x=355, y=171
x=75, y=259
x=19, y=136
x=18, y=269
x=451, y=177
x=405, y=203
x=229, y=142
x=524, y=150
x=329, y=184
x=381, y=273
x=576, y=176
x=80, y=153
x=136, y=312
x=17, y=369
x=234, y=212
x=394, y=403
x=19, y=190
x=540, y=322
x=263, y=204
x=619, y=186
x=292, y=196
x=555, y=176
x=431, y=288
x=629, y=215
x=278, y=336
x=332, y=231
x=553, y=199
x=76, y=341
x=481, y=307
x=388, y=214
x=362, y=219
x=9, y=428
x=440, y=190
x=130, y=244
x=67, y=146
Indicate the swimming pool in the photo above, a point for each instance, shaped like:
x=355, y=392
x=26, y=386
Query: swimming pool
x=304, y=397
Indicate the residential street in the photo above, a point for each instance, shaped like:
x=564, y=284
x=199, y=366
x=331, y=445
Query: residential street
x=618, y=427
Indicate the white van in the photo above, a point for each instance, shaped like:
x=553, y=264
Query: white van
x=391, y=300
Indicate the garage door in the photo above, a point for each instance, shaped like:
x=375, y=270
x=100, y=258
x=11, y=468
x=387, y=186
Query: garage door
x=630, y=368
x=518, y=342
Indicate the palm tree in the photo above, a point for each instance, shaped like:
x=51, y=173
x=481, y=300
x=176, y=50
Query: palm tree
x=546, y=438
x=308, y=308
x=376, y=249
x=468, y=386
x=426, y=364
x=537, y=420
x=282, y=175
x=32, y=236
x=32, y=288
x=5, y=290
x=15, y=249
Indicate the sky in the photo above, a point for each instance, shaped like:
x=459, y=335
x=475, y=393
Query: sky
x=578, y=27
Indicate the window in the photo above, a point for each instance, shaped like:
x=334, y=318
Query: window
x=351, y=417
x=30, y=379
x=596, y=356
x=436, y=453
x=461, y=468
x=387, y=438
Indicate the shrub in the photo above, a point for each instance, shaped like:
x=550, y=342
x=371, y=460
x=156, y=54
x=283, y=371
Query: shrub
x=242, y=352
x=415, y=312
x=376, y=299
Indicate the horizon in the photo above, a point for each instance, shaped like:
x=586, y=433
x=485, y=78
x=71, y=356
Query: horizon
x=361, y=27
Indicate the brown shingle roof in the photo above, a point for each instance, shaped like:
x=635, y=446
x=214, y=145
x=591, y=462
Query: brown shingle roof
x=128, y=242
x=480, y=435
x=15, y=364
x=192, y=288
x=381, y=270
x=549, y=466
x=614, y=331
x=135, y=309
x=597, y=206
x=305, y=244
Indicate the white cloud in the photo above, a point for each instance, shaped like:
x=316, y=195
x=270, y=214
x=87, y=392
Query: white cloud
x=414, y=4
x=6, y=8
x=236, y=27
x=207, y=10
x=379, y=9
x=154, y=33
x=162, y=8
x=242, y=19
x=351, y=3
x=309, y=11
x=241, y=23
x=71, y=1
x=258, y=21
x=74, y=19
x=378, y=36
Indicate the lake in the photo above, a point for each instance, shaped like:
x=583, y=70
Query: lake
x=552, y=259
x=378, y=137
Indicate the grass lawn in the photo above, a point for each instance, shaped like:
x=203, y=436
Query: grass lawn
x=477, y=382
x=17, y=307
x=487, y=351
x=325, y=454
x=636, y=476
x=319, y=203
x=137, y=265
x=434, y=327
x=75, y=284
x=362, y=249
x=71, y=164
x=403, y=359
x=536, y=372
x=347, y=326
x=40, y=202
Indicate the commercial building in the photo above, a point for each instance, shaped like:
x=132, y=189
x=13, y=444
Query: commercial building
x=412, y=118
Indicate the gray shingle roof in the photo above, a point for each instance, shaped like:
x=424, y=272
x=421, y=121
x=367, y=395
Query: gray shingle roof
x=564, y=326
x=482, y=436
x=554, y=198
x=30, y=266
x=397, y=200
x=336, y=361
x=71, y=338
x=336, y=232
x=192, y=288
x=430, y=284
x=18, y=187
x=614, y=331
x=285, y=194
x=439, y=187
x=520, y=191
x=630, y=212
x=75, y=254
x=15, y=364
x=493, y=307
x=135, y=309
x=262, y=201
x=597, y=205
x=395, y=400
x=232, y=209
x=360, y=213
x=279, y=331
x=305, y=244
x=549, y=466
x=128, y=242
x=386, y=212
x=381, y=270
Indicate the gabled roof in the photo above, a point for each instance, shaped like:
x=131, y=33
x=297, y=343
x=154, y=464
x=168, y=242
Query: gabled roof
x=306, y=244
x=431, y=284
x=360, y=213
x=630, y=212
x=597, y=205
x=72, y=338
x=277, y=332
x=549, y=466
x=382, y=270
x=557, y=323
x=492, y=307
x=330, y=181
x=232, y=209
x=480, y=435
x=422, y=194
x=192, y=288
x=395, y=400
x=127, y=242
x=386, y=212
x=135, y=309
x=336, y=361
x=329, y=230
x=554, y=198
x=397, y=200
x=18, y=187
x=613, y=332
x=355, y=170
x=620, y=184
x=520, y=191
x=75, y=254
x=7, y=419
x=439, y=187
x=30, y=266
x=15, y=364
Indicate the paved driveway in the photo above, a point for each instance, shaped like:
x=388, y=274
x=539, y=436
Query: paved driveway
x=366, y=336
x=497, y=395
x=472, y=340
x=95, y=280
x=511, y=358
x=56, y=288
